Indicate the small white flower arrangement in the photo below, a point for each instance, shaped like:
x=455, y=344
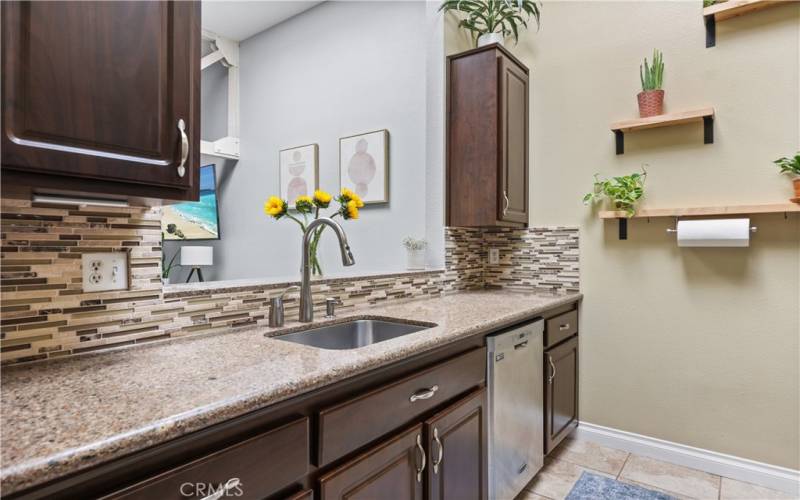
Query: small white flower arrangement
x=415, y=256
x=413, y=244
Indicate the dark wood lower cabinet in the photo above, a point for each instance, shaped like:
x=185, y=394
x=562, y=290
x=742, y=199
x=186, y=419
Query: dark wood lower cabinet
x=444, y=460
x=393, y=469
x=560, y=392
x=251, y=469
x=302, y=495
x=457, y=444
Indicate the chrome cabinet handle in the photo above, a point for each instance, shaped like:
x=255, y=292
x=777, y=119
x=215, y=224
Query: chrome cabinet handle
x=564, y=327
x=505, y=202
x=424, y=394
x=552, y=367
x=438, y=461
x=184, y=148
x=424, y=460
x=227, y=487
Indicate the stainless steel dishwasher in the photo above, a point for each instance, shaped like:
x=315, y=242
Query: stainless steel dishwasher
x=516, y=421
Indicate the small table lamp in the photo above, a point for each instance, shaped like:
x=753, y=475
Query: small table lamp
x=196, y=257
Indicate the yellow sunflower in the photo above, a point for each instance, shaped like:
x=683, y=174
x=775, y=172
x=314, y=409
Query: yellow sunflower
x=322, y=199
x=275, y=207
x=304, y=204
x=352, y=210
x=348, y=195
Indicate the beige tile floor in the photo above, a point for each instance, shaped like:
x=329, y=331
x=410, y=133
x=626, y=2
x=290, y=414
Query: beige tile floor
x=566, y=464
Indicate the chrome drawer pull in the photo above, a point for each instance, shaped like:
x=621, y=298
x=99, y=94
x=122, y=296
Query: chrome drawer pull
x=224, y=490
x=553, y=367
x=184, y=148
x=438, y=461
x=424, y=462
x=424, y=394
x=505, y=203
x=564, y=327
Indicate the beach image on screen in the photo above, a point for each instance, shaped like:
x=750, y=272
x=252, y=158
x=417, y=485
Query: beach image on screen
x=197, y=220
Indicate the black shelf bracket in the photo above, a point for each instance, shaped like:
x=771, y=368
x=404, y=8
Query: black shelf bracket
x=708, y=134
x=711, y=30
x=708, y=129
x=623, y=228
x=620, y=140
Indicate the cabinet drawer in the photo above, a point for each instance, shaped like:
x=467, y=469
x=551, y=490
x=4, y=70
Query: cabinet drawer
x=262, y=464
x=561, y=327
x=354, y=423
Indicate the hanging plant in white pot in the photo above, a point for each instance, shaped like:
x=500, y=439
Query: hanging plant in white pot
x=492, y=21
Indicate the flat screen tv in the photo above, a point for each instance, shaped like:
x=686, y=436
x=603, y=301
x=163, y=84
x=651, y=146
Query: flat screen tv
x=194, y=220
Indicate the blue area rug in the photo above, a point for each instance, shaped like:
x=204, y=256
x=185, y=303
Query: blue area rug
x=593, y=487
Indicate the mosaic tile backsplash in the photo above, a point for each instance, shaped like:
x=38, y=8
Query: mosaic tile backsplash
x=46, y=314
x=541, y=258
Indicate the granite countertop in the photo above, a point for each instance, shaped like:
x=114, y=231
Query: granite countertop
x=65, y=415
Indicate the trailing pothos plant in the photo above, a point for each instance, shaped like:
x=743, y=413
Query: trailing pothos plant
x=494, y=16
x=623, y=192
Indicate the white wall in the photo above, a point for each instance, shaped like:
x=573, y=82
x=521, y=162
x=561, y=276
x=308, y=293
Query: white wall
x=338, y=69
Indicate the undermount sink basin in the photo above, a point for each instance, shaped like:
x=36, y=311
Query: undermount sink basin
x=353, y=334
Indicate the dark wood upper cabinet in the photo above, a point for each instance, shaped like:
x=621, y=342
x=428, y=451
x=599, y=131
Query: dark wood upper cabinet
x=487, y=139
x=561, y=392
x=94, y=92
x=457, y=444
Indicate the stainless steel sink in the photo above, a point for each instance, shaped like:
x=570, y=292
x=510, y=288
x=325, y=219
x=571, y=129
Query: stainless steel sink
x=353, y=334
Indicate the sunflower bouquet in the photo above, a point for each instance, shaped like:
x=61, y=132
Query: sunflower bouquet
x=309, y=208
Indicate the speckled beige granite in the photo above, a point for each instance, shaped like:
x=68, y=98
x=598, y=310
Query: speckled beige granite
x=64, y=415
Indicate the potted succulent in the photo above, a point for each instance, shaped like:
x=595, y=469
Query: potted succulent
x=791, y=166
x=623, y=192
x=415, y=253
x=492, y=21
x=651, y=98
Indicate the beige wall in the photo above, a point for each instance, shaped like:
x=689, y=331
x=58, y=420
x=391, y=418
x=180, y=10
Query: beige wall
x=696, y=346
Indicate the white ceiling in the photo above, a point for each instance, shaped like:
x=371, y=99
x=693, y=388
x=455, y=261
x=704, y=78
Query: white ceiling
x=239, y=20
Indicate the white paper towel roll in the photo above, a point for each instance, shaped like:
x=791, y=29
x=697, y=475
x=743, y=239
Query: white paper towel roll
x=714, y=233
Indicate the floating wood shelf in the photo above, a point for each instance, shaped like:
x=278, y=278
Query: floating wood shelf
x=774, y=208
x=706, y=115
x=729, y=9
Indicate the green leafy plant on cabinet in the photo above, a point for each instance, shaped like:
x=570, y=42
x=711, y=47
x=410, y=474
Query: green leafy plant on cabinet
x=484, y=17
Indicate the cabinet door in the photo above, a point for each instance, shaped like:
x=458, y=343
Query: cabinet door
x=561, y=392
x=513, y=185
x=97, y=90
x=393, y=469
x=457, y=450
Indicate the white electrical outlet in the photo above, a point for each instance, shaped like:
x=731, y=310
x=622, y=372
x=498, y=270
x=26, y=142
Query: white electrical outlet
x=105, y=271
x=494, y=256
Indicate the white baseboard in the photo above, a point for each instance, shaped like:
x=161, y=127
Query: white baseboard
x=742, y=469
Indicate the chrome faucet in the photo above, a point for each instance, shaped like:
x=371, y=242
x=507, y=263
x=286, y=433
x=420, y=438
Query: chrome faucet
x=306, y=301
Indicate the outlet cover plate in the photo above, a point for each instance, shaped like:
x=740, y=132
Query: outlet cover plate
x=494, y=256
x=103, y=272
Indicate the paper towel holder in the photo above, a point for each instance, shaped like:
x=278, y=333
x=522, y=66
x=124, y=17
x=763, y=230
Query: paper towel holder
x=753, y=229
